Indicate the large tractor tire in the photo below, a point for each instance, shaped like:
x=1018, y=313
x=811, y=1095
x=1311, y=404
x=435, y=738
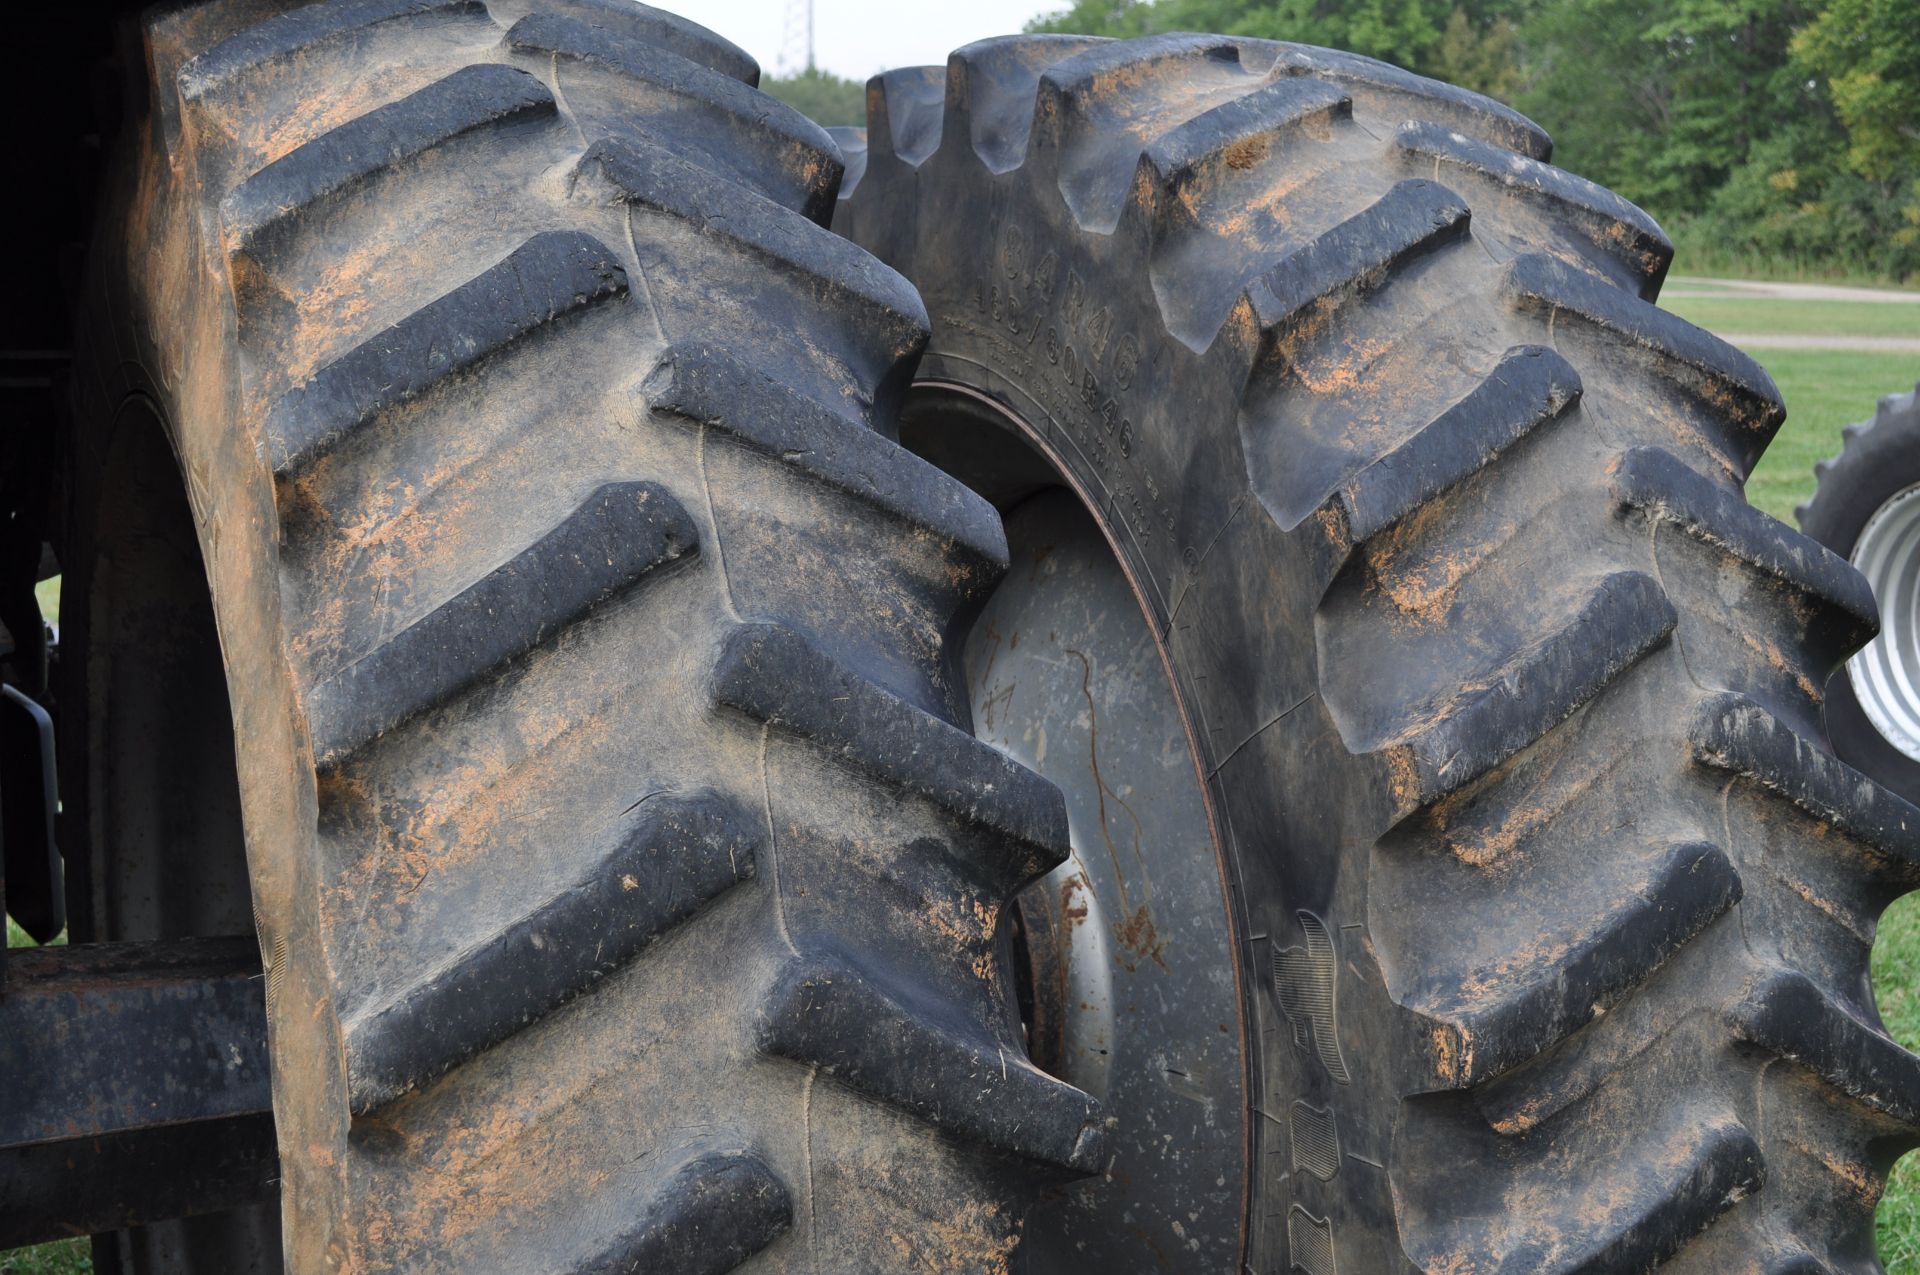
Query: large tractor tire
x=626, y=876
x=1866, y=508
x=1543, y=909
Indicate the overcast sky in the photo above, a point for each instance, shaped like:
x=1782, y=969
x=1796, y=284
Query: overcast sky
x=856, y=38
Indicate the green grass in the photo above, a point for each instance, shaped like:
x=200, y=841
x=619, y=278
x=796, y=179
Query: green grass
x=1734, y=313
x=1896, y=984
x=68, y=1257
x=1824, y=390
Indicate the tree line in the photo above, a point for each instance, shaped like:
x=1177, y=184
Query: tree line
x=1766, y=135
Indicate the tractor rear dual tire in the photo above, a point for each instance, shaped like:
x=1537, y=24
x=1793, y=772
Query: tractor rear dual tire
x=626, y=878
x=1553, y=904
x=629, y=885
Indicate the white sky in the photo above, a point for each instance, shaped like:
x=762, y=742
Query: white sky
x=856, y=38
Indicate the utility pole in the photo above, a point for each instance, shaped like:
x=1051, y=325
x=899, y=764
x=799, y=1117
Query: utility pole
x=798, y=12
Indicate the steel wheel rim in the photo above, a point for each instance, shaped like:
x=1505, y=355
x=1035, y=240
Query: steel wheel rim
x=1885, y=673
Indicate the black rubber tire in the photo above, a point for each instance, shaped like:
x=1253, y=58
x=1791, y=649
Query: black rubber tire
x=627, y=876
x=1507, y=701
x=1878, y=459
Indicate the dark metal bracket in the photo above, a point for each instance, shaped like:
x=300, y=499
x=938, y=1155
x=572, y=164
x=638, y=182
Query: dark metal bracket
x=133, y=1086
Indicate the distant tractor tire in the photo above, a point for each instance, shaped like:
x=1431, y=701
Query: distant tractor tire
x=1533, y=934
x=627, y=878
x=1866, y=508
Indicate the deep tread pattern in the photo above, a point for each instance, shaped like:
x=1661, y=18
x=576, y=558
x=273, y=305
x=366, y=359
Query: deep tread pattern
x=906, y=106
x=1662, y=487
x=846, y=278
x=1078, y=83
x=620, y=535
x=787, y=152
x=534, y=372
x=677, y=856
x=1791, y=1015
x=1727, y=1168
x=1625, y=616
x=709, y=1217
x=548, y=279
x=1355, y=257
x=656, y=28
x=1621, y=242
x=1390, y=93
x=1509, y=487
x=1503, y=1016
x=301, y=31
x=1673, y=1183
x=902, y=1046
x=1076, y=112
x=1531, y=386
x=775, y=676
x=1194, y=155
x=1799, y=1264
x=1693, y=358
x=705, y=385
x=997, y=79
x=259, y=213
x=853, y=151
x=1733, y=734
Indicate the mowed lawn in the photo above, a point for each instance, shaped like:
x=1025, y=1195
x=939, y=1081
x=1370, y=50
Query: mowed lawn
x=1824, y=389
x=1736, y=313
x=1896, y=984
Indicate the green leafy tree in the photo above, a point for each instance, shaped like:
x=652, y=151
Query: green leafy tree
x=822, y=96
x=1484, y=58
x=1404, y=32
x=1409, y=33
x=1121, y=19
x=1868, y=54
x=1868, y=51
x=1661, y=99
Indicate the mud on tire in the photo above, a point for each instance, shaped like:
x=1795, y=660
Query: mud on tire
x=627, y=889
x=1553, y=903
